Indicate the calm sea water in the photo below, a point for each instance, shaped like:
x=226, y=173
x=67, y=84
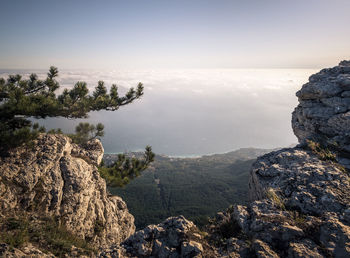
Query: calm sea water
x=193, y=112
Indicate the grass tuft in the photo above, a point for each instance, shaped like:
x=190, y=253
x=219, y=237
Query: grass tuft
x=271, y=194
x=322, y=152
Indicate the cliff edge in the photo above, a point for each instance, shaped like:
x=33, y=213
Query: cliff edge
x=57, y=179
x=323, y=113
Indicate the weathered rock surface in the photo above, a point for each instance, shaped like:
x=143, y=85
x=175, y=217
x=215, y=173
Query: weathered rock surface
x=323, y=113
x=175, y=237
x=60, y=179
x=302, y=180
x=303, y=208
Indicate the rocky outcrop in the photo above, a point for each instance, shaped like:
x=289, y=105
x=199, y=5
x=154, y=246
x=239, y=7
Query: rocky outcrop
x=175, y=237
x=60, y=179
x=301, y=196
x=302, y=180
x=323, y=113
x=303, y=205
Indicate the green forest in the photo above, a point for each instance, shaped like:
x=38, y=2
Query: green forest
x=194, y=187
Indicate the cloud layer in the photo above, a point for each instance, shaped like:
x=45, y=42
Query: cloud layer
x=191, y=112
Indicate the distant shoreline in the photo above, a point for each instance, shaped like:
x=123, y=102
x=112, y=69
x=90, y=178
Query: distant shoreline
x=194, y=156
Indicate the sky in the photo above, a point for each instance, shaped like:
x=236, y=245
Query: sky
x=150, y=34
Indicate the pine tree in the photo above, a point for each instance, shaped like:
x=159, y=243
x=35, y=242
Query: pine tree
x=21, y=99
x=125, y=168
x=85, y=132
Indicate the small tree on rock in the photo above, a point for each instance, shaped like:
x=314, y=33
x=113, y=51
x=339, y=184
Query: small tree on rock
x=21, y=99
x=85, y=132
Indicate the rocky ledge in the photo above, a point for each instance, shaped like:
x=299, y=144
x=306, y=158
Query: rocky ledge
x=175, y=237
x=58, y=179
x=300, y=208
x=323, y=113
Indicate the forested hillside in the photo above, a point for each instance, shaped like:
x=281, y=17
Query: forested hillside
x=193, y=187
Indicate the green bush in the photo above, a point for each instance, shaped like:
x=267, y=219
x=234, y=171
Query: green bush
x=85, y=132
x=125, y=168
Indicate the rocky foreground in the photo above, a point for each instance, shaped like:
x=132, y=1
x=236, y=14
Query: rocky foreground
x=59, y=180
x=300, y=196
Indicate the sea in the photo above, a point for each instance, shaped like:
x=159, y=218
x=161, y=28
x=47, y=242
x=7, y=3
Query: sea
x=189, y=113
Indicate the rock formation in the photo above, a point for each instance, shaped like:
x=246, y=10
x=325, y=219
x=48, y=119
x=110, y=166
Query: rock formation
x=175, y=237
x=323, y=113
x=303, y=205
x=57, y=178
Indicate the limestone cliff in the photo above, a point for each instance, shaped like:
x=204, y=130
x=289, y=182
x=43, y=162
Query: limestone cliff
x=58, y=179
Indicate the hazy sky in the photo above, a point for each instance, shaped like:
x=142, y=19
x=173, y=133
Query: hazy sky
x=174, y=34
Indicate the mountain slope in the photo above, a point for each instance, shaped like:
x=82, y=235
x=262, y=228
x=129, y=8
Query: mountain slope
x=194, y=187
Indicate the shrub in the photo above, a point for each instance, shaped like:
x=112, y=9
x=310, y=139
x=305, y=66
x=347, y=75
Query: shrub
x=270, y=193
x=322, y=152
x=125, y=168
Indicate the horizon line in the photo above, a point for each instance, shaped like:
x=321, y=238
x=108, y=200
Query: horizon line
x=150, y=69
